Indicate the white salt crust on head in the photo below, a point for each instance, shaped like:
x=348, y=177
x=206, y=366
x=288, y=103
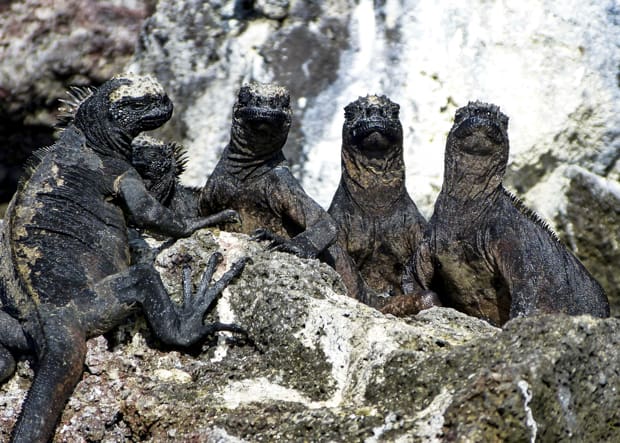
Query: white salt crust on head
x=140, y=86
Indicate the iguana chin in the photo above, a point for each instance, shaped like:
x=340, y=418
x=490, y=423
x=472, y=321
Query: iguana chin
x=253, y=178
x=66, y=268
x=486, y=254
x=379, y=225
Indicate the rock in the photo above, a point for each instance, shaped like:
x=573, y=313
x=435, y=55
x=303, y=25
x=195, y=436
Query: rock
x=46, y=47
x=587, y=219
x=322, y=367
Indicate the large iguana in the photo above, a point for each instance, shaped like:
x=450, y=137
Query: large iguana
x=485, y=253
x=379, y=225
x=66, y=266
x=253, y=178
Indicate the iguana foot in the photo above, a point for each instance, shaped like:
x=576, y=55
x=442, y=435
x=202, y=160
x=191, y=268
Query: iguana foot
x=228, y=216
x=297, y=246
x=263, y=234
x=195, y=305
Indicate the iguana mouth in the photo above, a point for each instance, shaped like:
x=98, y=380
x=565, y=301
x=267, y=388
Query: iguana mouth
x=254, y=115
x=478, y=135
x=376, y=129
x=157, y=117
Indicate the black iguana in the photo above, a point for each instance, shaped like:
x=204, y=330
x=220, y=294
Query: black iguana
x=379, y=225
x=253, y=178
x=66, y=268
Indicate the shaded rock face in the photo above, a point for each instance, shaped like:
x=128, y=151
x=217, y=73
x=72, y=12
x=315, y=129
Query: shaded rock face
x=46, y=47
x=322, y=367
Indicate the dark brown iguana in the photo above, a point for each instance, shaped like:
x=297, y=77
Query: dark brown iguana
x=379, y=226
x=253, y=178
x=486, y=254
x=66, y=266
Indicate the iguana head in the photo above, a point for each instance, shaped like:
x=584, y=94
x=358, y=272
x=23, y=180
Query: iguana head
x=372, y=125
x=477, y=149
x=479, y=129
x=373, y=168
x=120, y=109
x=261, y=119
x=160, y=164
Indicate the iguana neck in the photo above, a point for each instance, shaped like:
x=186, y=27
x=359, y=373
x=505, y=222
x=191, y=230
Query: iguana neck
x=469, y=191
x=106, y=140
x=245, y=162
x=373, y=183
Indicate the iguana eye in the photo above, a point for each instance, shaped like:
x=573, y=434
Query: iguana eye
x=138, y=105
x=349, y=113
x=244, y=96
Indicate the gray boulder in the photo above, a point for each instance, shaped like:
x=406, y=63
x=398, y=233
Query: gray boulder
x=321, y=367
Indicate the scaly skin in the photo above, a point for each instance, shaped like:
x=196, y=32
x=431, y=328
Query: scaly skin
x=379, y=225
x=160, y=165
x=486, y=254
x=253, y=178
x=66, y=268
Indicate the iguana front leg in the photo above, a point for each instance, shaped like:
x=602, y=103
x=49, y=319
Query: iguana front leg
x=416, y=280
x=145, y=211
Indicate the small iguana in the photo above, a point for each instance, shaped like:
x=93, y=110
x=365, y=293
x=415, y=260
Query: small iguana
x=253, y=178
x=160, y=164
x=379, y=225
x=485, y=253
x=66, y=267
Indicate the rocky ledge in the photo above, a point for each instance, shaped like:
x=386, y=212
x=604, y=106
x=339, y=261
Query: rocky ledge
x=321, y=367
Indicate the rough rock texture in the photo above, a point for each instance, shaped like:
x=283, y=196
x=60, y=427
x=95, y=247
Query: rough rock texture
x=46, y=46
x=323, y=367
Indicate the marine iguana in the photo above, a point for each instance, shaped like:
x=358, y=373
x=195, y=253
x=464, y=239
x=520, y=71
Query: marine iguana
x=379, y=225
x=486, y=254
x=66, y=266
x=160, y=164
x=253, y=178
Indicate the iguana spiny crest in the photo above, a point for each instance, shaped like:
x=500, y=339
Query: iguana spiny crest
x=159, y=163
